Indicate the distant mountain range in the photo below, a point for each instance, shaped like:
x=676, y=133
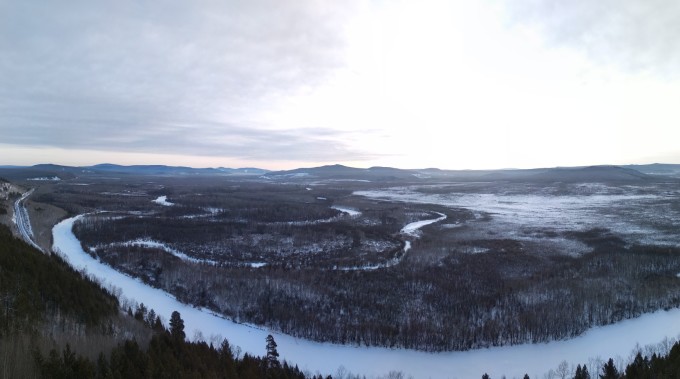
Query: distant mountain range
x=629, y=173
x=48, y=171
x=174, y=170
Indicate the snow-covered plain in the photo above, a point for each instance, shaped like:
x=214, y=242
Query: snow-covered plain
x=638, y=214
x=617, y=340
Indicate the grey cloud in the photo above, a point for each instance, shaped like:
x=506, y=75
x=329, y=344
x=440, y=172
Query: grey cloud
x=634, y=35
x=155, y=76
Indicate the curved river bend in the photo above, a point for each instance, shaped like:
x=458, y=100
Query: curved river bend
x=513, y=361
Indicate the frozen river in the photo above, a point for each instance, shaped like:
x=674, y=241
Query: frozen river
x=513, y=361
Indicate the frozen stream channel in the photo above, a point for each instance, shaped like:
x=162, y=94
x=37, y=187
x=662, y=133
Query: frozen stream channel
x=513, y=361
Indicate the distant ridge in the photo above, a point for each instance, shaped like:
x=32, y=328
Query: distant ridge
x=70, y=172
x=592, y=174
x=338, y=171
x=665, y=169
x=173, y=170
x=630, y=173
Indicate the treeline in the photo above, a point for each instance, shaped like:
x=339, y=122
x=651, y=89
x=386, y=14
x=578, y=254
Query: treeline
x=641, y=367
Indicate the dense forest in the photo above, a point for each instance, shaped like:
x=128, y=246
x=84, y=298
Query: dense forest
x=505, y=296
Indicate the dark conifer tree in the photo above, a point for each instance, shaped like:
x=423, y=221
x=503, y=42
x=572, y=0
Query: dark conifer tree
x=639, y=368
x=578, y=374
x=272, y=354
x=584, y=372
x=177, y=326
x=485, y=376
x=609, y=371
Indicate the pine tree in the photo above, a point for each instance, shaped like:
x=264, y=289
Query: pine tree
x=578, y=374
x=584, y=373
x=526, y=376
x=639, y=368
x=609, y=371
x=272, y=354
x=485, y=376
x=177, y=326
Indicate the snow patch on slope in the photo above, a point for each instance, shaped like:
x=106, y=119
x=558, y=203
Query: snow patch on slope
x=163, y=200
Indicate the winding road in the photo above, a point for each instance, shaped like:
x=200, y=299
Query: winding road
x=22, y=221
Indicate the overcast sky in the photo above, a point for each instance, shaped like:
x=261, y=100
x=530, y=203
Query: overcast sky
x=283, y=84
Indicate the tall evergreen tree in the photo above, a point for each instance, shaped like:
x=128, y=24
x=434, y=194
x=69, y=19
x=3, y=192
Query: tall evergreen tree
x=485, y=376
x=609, y=371
x=177, y=326
x=584, y=372
x=581, y=372
x=639, y=368
x=272, y=354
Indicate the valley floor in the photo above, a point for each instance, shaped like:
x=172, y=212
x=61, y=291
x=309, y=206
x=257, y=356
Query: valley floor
x=620, y=339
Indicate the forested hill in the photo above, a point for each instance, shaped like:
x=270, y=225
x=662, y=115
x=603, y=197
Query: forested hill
x=54, y=323
x=35, y=288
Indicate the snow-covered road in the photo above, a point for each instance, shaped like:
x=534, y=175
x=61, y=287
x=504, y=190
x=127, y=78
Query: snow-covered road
x=22, y=221
x=513, y=361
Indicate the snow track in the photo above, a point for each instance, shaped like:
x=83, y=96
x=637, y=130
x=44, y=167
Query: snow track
x=412, y=228
x=23, y=222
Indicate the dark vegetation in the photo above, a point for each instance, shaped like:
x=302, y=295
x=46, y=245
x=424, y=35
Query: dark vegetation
x=168, y=355
x=34, y=287
x=43, y=302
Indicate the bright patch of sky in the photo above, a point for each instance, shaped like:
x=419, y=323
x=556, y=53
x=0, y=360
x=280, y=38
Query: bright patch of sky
x=450, y=84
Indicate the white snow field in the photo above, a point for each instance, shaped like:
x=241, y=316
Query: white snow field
x=640, y=215
x=163, y=200
x=513, y=361
x=351, y=212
